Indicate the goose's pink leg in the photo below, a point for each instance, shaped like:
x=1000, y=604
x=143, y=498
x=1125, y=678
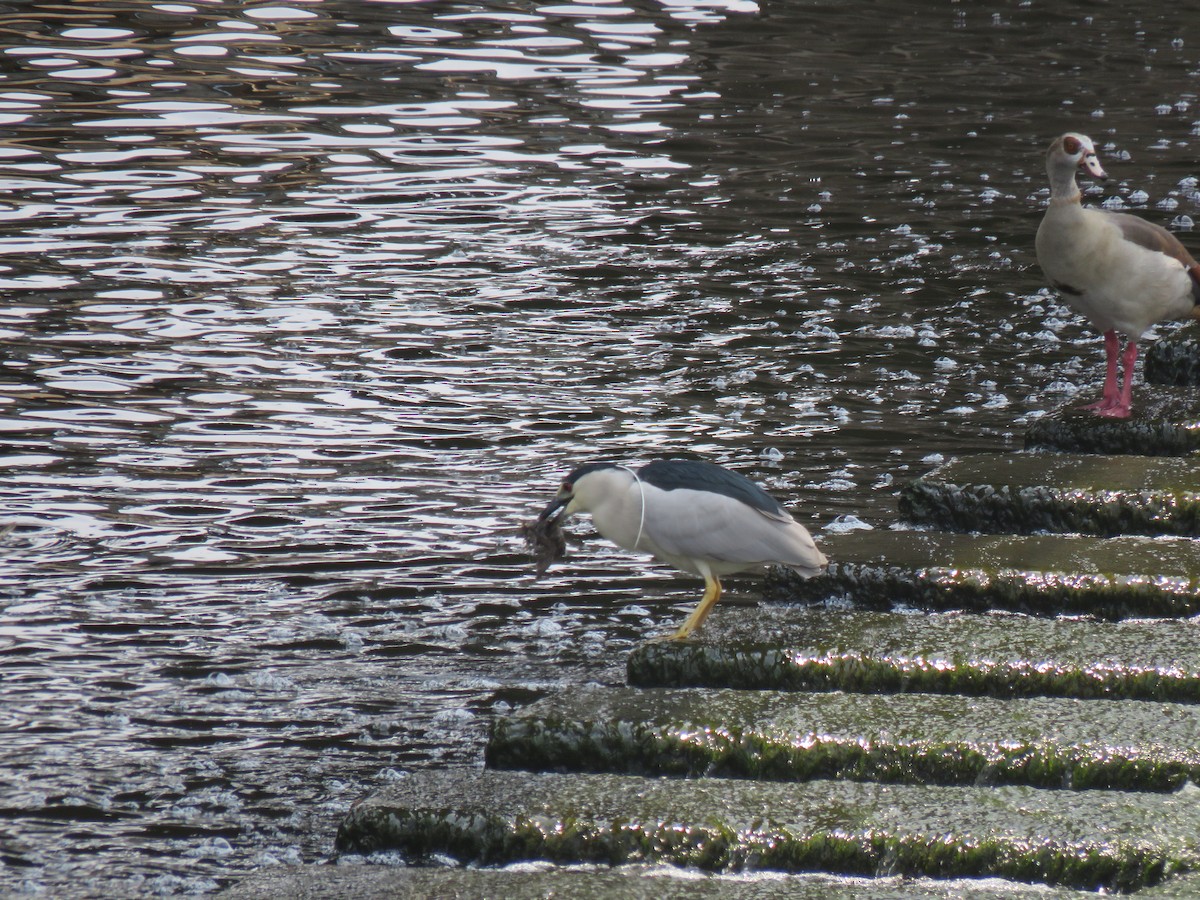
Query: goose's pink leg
x=1120, y=410
x=1111, y=396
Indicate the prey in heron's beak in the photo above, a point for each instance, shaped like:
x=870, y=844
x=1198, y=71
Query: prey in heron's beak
x=544, y=536
x=559, y=502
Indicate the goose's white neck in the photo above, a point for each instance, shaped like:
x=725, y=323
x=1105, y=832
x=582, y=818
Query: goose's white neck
x=1063, y=187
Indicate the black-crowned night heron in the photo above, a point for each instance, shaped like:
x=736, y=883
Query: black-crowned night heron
x=697, y=516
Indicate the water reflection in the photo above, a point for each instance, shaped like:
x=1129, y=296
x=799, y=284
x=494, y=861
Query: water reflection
x=308, y=304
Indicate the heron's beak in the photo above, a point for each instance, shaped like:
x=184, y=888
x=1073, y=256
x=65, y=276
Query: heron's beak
x=559, y=502
x=1091, y=164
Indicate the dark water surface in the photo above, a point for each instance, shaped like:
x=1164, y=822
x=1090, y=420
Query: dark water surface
x=309, y=302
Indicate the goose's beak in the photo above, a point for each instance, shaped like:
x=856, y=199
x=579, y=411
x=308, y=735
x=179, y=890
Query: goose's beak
x=1090, y=163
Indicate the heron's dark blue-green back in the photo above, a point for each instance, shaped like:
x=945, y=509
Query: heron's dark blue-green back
x=675, y=474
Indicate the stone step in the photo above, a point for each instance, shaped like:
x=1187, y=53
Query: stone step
x=1165, y=422
x=1115, y=840
x=815, y=649
x=1110, y=578
x=1029, y=492
x=1174, y=358
x=537, y=881
x=914, y=738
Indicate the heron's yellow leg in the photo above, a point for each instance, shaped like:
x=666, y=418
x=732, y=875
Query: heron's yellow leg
x=712, y=593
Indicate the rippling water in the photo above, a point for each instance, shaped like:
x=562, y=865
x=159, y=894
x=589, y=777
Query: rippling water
x=310, y=302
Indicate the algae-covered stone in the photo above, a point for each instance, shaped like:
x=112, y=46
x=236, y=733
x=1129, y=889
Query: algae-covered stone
x=1175, y=358
x=1165, y=422
x=1109, y=578
x=1089, y=839
x=1026, y=492
x=918, y=738
x=816, y=649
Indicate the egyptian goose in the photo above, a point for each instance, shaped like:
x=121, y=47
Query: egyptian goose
x=1122, y=272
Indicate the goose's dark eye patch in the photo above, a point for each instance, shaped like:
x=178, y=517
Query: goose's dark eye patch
x=1072, y=145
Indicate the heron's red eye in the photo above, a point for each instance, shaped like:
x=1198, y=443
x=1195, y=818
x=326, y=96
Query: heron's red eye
x=1072, y=145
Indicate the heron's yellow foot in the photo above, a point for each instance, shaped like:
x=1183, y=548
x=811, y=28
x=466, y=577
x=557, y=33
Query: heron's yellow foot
x=712, y=593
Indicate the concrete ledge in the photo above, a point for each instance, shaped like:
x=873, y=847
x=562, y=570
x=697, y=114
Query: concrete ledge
x=1165, y=422
x=537, y=881
x=915, y=739
x=1111, y=578
x=1090, y=839
x=1023, y=493
x=797, y=649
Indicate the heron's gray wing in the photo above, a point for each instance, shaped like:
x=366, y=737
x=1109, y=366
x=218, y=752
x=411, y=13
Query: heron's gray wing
x=707, y=525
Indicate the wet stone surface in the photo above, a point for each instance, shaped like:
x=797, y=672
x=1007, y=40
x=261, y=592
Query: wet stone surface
x=1090, y=839
x=1039, y=492
x=1175, y=359
x=780, y=648
x=916, y=738
x=1165, y=422
x=1045, y=575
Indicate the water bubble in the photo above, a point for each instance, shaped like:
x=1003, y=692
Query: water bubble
x=216, y=848
x=453, y=716
x=847, y=523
